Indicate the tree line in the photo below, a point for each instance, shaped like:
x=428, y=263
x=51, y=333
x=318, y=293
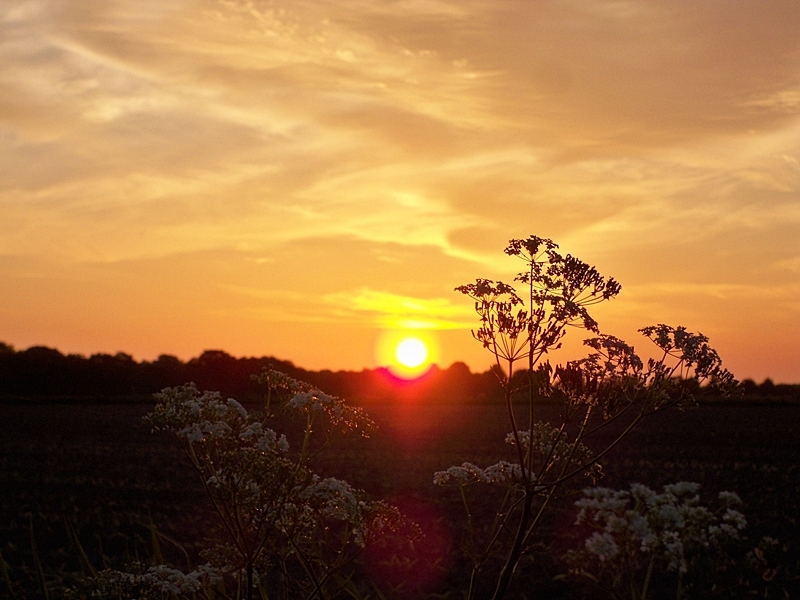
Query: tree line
x=42, y=372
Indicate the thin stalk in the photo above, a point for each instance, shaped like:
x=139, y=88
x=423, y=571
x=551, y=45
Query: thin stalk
x=4, y=567
x=470, y=527
x=224, y=516
x=647, y=577
x=335, y=569
x=241, y=530
x=498, y=527
x=546, y=461
x=73, y=536
x=308, y=569
x=552, y=491
x=600, y=455
x=473, y=576
x=249, y=592
x=610, y=419
x=306, y=440
x=514, y=427
x=37, y=562
x=516, y=549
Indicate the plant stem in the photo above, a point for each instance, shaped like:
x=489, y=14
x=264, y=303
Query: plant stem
x=516, y=550
x=647, y=577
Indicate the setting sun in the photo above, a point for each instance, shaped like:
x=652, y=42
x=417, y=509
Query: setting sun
x=407, y=353
x=411, y=352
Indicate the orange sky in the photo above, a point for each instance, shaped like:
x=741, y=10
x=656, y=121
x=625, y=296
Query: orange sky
x=292, y=177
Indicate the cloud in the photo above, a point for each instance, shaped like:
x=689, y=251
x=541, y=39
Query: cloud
x=393, y=311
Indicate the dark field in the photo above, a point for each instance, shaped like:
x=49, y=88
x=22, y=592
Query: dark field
x=88, y=484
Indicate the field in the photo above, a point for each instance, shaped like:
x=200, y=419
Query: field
x=85, y=486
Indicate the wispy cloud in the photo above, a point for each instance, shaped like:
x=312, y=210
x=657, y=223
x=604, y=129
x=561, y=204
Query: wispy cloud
x=394, y=311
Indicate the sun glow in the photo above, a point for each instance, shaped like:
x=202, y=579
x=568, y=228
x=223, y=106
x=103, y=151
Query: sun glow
x=407, y=355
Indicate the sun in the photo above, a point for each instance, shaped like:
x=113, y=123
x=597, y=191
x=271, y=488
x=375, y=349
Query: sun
x=411, y=352
x=407, y=354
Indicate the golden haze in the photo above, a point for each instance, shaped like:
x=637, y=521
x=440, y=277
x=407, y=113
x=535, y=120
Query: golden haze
x=292, y=178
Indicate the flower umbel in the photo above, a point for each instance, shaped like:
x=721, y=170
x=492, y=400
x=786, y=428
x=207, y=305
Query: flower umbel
x=272, y=507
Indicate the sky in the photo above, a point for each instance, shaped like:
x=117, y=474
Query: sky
x=299, y=178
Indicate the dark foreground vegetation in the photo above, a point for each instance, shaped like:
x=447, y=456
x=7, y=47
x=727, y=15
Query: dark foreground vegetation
x=87, y=486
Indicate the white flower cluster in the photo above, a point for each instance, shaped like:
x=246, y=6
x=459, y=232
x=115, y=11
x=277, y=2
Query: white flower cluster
x=672, y=525
x=502, y=472
x=603, y=545
x=173, y=582
x=317, y=401
x=264, y=439
x=205, y=418
x=332, y=498
x=157, y=582
x=378, y=519
x=547, y=440
x=305, y=397
x=329, y=500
